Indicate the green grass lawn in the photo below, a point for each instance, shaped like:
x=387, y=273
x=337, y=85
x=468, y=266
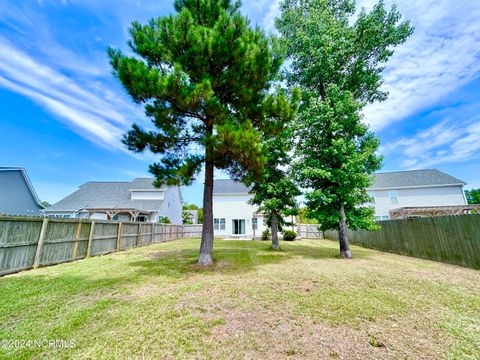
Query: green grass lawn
x=302, y=302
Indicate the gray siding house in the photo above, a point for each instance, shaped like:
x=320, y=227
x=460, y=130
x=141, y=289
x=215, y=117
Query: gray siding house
x=17, y=196
x=414, y=189
x=137, y=200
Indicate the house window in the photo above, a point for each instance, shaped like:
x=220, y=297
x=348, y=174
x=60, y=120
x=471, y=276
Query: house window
x=255, y=223
x=219, y=224
x=371, y=195
x=393, y=195
x=382, y=217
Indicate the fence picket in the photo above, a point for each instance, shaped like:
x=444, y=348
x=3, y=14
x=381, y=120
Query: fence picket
x=27, y=242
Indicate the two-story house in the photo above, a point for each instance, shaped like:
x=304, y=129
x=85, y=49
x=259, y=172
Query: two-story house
x=233, y=216
x=414, y=189
x=137, y=200
x=391, y=192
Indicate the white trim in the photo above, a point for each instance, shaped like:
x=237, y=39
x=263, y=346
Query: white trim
x=414, y=187
x=464, y=196
x=152, y=190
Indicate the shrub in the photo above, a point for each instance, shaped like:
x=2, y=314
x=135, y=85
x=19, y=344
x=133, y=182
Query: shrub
x=266, y=234
x=289, y=235
x=164, y=220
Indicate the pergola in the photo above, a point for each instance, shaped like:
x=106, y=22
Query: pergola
x=111, y=213
x=431, y=211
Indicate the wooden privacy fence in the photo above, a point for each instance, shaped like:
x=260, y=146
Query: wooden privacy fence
x=310, y=231
x=32, y=242
x=450, y=239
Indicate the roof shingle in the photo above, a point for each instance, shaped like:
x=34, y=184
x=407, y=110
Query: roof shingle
x=108, y=195
x=413, y=178
x=386, y=180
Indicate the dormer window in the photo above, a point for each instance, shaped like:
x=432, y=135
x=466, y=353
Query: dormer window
x=147, y=194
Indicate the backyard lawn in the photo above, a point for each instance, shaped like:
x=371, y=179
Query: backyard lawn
x=302, y=302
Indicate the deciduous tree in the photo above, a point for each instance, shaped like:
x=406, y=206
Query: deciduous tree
x=473, y=196
x=337, y=58
x=275, y=191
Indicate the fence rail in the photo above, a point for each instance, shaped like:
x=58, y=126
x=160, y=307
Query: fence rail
x=32, y=242
x=450, y=239
x=310, y=231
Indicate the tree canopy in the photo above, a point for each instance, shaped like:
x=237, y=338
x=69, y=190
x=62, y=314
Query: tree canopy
x=274, y=191
x=473, y=196
x=337, y=59
x=204, y=76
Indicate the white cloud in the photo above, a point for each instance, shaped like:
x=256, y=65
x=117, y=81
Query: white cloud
x=449, y=141
x=262, y=12
x=442, y=55
x=94, y=113
x=73, y=85
x=88, y=125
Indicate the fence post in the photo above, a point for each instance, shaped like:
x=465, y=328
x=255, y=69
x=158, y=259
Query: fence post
x=119, y=236
x=139, y=231
x=90, y=239
x=41, y=238
x=77, y=237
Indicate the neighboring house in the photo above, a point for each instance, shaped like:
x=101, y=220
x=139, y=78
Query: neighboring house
x=414, y=189
x=137, y=200
x=193, y=216
x=17, y=196
x=233, y=216
x=391, y=193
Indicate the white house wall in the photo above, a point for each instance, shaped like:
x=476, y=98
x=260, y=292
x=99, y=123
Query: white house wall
x=147, y=195
x=235, y=207
x=432, y=196
x=171, y=206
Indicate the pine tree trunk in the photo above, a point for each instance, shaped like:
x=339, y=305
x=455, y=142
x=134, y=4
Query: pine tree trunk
x=206, y=247
x=275, y=245
x=342, y=235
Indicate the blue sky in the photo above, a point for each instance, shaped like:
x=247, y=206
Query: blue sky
x=62, y=113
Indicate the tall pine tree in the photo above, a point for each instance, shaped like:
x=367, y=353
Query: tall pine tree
x=337, y=59
x=204, y=77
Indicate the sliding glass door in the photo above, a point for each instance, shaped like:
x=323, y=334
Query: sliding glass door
x=238, y=227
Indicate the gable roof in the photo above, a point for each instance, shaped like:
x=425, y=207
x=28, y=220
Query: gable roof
x=17, y=195
x=109, y=195
x=228, y=186
x=414, y=178
x=386, y=180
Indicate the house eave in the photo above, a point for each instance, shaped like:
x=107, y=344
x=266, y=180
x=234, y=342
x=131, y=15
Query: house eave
x=414, y=187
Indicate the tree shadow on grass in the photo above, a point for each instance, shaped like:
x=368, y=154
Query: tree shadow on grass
x=234, y=257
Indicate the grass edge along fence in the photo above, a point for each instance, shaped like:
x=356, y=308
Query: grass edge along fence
x=449, y=239
x=27, y=243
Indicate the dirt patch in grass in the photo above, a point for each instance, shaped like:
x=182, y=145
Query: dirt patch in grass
x=280, y=335
x=179, y=254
